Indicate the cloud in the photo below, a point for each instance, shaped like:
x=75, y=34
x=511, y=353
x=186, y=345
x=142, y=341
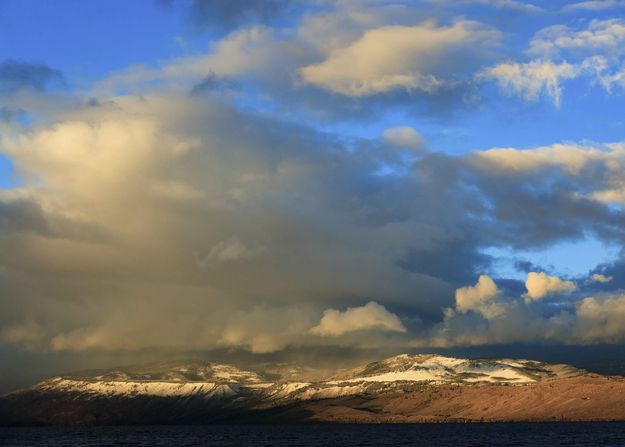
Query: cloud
x=371, y=316
x=230, y=250
x=589, y=320
x=560, y=53
x=8, y=114
x=468, y=297
x=599, y=278
x=597, y=168
x=579, y=321
x=508, y=4
x=539, y=285
x=479, y=298
x=571, y=158
x=404, y=137
x=257, y=57
x=533, y=79
x=499, y=4
x=219, y=15
x=600, y=37
x=138, y=215
x=17, y=74
x=400, y=57
x=594, y=5
x=243, y=203
x=600, y=319
x=123, y=203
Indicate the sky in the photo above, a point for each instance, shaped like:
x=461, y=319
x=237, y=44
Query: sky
x=323, y=181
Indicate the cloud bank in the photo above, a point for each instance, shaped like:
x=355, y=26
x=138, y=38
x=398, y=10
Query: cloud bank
x=283, y=188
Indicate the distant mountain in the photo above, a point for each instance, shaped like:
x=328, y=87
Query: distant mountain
x=435, y=368
x=405, y=388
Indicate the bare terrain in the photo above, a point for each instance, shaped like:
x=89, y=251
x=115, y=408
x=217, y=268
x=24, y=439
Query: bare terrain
x=588, y=397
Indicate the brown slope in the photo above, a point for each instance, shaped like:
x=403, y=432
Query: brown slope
x=587, y=397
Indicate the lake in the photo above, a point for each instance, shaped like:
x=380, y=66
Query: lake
x=440, y=435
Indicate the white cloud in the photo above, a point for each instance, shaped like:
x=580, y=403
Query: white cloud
x=404, y=137
x=480, y=298
x=607, y=75
x=589, y=320
x=560, y=53
x=597, y=277
x=539, y=285
x=569, y=157
x=508, y=4
x=600, y=320
x=594, y=5
x=600, y=37
x=371, y=316
x=409, y=57
x=500, y=4
x=533, y=79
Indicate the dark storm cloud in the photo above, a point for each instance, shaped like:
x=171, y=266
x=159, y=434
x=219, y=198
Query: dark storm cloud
x=22, y=215
x=17, y=74
x=310, y=223
x=247, y=227
x=538, y=207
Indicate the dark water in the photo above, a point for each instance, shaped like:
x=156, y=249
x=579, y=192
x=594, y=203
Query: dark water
x=439, y=435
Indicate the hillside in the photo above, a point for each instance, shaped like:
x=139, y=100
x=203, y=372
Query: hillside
x=404, y=388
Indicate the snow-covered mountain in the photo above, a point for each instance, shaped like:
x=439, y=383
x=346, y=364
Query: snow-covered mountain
x=177, y=371
x=171, y=379
x=197, y=386
x=407, y=371
x=212, y=380
x=436, y=368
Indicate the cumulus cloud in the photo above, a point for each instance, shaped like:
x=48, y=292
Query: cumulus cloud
x=599, y=278
x=600, y=37
x=405, y=57
x=540, y=285
x=371, y=316
x=600, y=319
x=404, y=137
x=125, y=203
x=479, y=298
x=137, y=216
x=533, y=79
x=181, y=207
x=579, y=321
x=590, y=320
x=434, y=63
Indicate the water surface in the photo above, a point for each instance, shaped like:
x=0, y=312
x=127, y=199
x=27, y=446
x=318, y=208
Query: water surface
x=439, y=435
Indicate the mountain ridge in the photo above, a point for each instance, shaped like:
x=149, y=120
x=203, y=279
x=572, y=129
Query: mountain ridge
x=403, y=388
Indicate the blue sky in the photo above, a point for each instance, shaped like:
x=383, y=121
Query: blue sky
x=330, y=152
